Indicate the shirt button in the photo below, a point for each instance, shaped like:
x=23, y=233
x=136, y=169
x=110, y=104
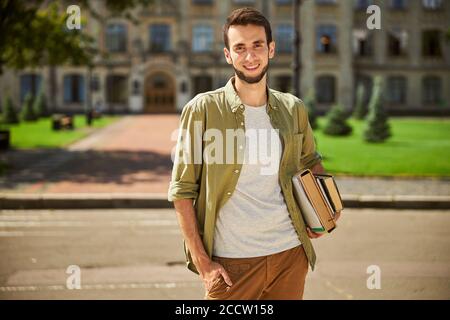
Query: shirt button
x=242, y=107
x=242, y=123
x=228, y=193
x=236, y=171
x=241, y=147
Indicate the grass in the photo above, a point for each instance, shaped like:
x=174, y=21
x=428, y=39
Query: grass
x=39, y=134
x=417, y=147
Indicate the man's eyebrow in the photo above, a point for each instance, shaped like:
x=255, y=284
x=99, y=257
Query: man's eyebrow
x=242, y=44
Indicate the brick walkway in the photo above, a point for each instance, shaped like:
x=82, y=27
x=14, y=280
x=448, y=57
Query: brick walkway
x=133, y=156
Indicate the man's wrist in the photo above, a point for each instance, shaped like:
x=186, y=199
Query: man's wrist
x=201, y=261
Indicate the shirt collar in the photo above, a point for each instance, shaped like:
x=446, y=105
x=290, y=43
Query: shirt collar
x=235, y=102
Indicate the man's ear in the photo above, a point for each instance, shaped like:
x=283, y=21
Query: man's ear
x=227, y=54
x=271, y=49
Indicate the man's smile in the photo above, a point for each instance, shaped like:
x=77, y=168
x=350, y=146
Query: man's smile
x=251, y=68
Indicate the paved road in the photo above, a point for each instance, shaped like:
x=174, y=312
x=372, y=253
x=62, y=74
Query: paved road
x=137, y=254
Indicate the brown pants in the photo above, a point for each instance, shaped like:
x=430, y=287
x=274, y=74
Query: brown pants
x=279, y=276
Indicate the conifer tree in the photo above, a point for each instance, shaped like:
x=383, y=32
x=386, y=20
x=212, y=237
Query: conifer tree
x=9, y=113
x=336, y=123
x=27, y=113
x=377, y=128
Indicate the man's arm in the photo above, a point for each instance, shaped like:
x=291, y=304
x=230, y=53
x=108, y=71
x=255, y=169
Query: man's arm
x=188, y=224
x=208, y=269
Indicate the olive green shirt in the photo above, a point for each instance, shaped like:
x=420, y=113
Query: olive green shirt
x=211, y=184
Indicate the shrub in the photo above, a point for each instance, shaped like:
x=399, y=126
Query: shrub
x=336, y=123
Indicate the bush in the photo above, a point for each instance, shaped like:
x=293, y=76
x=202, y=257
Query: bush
x=360, y=109
x=9, y=114
x=40, y=106
x=336, y=123
x=27, y=113
x=377, y=128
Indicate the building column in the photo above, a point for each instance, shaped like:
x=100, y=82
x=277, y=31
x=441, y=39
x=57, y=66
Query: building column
x=380, y=38
x=182, y=84
x=307, y=47
x=345, y=85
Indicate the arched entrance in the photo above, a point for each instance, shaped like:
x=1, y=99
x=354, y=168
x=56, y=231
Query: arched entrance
x=159, y=93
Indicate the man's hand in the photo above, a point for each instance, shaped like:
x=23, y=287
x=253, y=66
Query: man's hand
x=210, y=272
x=314, y=235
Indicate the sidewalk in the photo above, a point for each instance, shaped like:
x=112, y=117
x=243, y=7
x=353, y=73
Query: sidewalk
x=128, y=164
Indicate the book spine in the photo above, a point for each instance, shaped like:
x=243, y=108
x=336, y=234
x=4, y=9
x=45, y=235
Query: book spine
x=317, y=200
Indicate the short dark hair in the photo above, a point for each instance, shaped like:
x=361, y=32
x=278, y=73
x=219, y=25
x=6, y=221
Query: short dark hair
x=243, y=17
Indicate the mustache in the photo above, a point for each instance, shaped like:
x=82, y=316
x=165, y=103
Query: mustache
x=251, y=80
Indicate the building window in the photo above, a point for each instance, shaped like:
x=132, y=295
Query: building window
x=29, y=84
x=362, y=43
x=160, y=38
x=202, y=38
x=326, y=2
x=432, y=4
x=431, y=90
x=116, y=38
x=397, y=42
x=396, y=90
x=398, y=4
x=326, y=39
x=363, y=4
x=202, y=83
x=431, y=44
x=283, y=2
x=73, y=88
x=242, y=2
x=284, y=36
x=95, y=83
x=116, y=89
x=202, y=1
x=326, y=89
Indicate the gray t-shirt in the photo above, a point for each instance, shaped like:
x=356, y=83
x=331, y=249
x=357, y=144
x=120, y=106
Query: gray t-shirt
x=255, y=221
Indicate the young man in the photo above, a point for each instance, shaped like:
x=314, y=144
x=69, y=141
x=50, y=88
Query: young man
x=243, y=232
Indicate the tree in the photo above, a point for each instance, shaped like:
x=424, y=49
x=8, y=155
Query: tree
x=377, y=128
x=360, y=110
x=310, y=103
x=40, y=105
x=9, y=114
x=34, y=34
x=27, y=113
x=336, y=124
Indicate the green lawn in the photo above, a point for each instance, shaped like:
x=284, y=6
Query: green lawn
x=39, y=134
x=417, y=147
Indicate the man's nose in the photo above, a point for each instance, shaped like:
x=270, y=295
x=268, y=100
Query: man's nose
x=250, y=55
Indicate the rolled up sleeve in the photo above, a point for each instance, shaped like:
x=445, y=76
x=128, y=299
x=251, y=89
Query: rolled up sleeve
x=187, y=164
x=309, y=156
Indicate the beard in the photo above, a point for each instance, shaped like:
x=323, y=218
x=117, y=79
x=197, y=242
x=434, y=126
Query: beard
x=251, y=80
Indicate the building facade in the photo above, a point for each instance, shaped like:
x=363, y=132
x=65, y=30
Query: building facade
x=176, y=51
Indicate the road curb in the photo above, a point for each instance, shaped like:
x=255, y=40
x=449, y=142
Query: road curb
x=16, y=201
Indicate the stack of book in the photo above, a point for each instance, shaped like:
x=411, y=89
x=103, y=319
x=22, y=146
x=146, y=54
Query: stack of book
x=319, y=200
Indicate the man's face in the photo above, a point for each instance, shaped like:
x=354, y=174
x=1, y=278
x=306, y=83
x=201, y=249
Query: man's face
x=249, y=53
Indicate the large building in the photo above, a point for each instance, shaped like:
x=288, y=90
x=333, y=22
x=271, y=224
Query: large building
x=176, y=51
